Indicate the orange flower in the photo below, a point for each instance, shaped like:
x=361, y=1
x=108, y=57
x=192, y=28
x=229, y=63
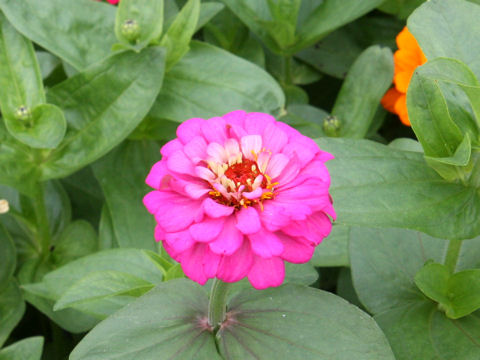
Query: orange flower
x=407, y=58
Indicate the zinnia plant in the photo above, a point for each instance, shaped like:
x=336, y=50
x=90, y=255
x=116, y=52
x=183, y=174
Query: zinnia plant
x=243, y=193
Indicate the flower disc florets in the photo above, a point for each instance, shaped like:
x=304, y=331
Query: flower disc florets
x=237, y=195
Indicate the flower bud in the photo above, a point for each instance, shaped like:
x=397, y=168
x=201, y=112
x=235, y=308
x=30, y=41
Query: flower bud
x=4, y=207
x=131, y=30
x=23, y=113
x=331, y=126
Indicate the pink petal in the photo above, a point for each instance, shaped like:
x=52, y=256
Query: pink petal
x=265, y=244
x=157, y=174
x=176, y=212
x=204, y=173
x=214, y=130
x=274, y=215
x=290, y=171
x=315, y=228
x=277, y=163
x=179, y=241
x=180, y=163
x=255, y=194
x=153, y=200
x=229, y=240
x=217, y=152
x=189, y=129
x=192, y=262
x=216, y=210
x=231, y=147
x=196, y=149
x=159, y=233
x=195, y=190
x=248, y=221
x=274, y=139
x=304, y=148
x=236, y=266
x=255, y=123
x=207, y=230
x=170, y=147
x=266, y=273
x=236, y=117
x=249, y=144
x=210, y=263
x=295, y=250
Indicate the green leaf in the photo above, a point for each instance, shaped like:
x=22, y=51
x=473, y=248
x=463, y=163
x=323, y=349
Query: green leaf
x=448, y=28
x=81, y=36
x=17, y=166
x=129, y=82
x=102, y=285
x=47, y=63
x=171, y=321
x=175, y=272
x=178, y=36
x=136, y=263
x=78, y=239
x=272, y=322
x=384, y=263
x=305, y=118
x=106, y=233
x=375, y=185
x=333, y=251
x=366, y=82
x=8, y=257
x=457, y=294
x=147, y=15
x=328, y=16
x=208, y=82
x=400, y=8
x=132, y=224
x=26, y=116
x=208, y=10
x=12, y=308
x=29, y=348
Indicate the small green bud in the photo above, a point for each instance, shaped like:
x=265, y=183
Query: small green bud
x=23, y=113
x=131, y=30
x=331, y=126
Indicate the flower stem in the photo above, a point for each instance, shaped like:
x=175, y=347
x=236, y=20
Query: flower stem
x=217, y=305
x=43, y=227
x=451, y=257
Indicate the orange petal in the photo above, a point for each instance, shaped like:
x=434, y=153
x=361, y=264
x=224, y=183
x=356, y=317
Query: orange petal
x=389, y=99
x=402, y=79
x=401, y=109
x=405, y=40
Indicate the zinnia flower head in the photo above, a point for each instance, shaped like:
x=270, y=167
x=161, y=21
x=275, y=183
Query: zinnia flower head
x=236, y=196
x=407, y=58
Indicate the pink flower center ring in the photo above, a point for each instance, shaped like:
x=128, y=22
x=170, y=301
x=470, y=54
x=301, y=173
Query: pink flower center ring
x=236, y=196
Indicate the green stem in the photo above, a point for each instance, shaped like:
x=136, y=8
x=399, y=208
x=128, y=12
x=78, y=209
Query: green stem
x=217, y=305
x=43, y=227
x=453, y=251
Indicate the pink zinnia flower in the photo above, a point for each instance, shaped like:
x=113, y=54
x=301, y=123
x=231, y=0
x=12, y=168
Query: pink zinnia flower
x=238, y=195
x=113, y=1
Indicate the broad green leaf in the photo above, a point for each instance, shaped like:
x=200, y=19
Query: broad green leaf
x=384, y=263
x=106, y=233
x=305, y=118
x=400, y=8
x=44, y=294
x=175, y=272
x=375, y=185
x=448, y=28
x=102, y=285
x=208, y=82
x=177, y=37
x=328, y=16
x=26, y=116
x=8, y=257
x=299, y=323
x=17, y=166
x=406, y=144
x=333, y=251
x=208, y=10
x=78, y=239
x=103, y=105
x=47, y=63
x=12, y=308
x=366, y=82
x=81, y=36
x=138, y=22
x=335, y=54
x=170, y=321
x=29, y=348
x=132, y=225
x=458, y=294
